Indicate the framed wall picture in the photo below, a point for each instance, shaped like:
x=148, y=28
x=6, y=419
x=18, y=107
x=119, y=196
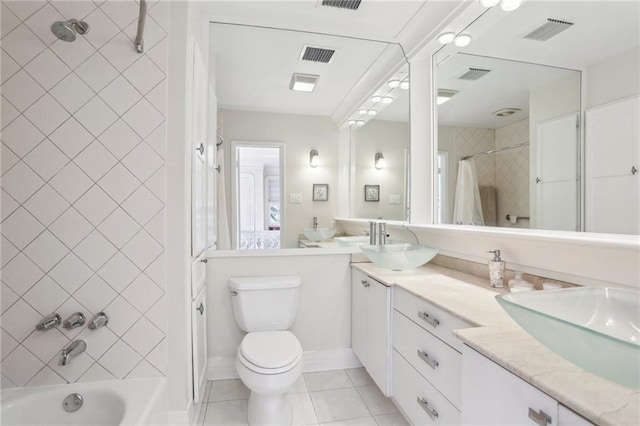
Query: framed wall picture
x=320, y=192
x=372, y=192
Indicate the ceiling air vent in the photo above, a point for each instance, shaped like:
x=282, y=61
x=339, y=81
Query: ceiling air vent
x=505, y=112
x=547, y=30
x=317, y=54
x=474, y=74
x=342, y=4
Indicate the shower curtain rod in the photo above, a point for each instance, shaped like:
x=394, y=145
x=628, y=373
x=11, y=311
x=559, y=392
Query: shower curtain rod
x=479, y=154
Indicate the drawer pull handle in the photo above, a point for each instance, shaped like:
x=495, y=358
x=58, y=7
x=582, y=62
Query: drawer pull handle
x=425, y=406
x=365, y=283
x=426, y=358
x=430, y=320
x=539, y=417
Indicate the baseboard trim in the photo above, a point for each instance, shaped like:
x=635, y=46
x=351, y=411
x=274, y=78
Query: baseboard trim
x=222, y=368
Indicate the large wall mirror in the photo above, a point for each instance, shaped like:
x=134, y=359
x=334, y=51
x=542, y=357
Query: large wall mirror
x=266, y=205
x=538, y=119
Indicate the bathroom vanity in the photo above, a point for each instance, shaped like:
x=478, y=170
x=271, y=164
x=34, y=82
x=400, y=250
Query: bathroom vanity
x=456, y=357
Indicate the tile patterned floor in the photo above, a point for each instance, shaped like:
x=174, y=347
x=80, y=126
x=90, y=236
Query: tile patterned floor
x=339, y=397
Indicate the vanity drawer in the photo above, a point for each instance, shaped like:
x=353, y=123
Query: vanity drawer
x=418, y=399
x=431, y=318
x=436, y=361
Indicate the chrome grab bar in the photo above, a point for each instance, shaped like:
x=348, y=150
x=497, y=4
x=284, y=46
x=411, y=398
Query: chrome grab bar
x=426, y=358
x=428, y=318
x=425, y=406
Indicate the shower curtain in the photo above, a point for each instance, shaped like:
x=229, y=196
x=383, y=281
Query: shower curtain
x=224, y=234
x=467, y=209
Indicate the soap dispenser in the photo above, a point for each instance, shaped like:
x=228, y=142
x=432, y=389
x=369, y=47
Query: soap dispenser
x=496, y=270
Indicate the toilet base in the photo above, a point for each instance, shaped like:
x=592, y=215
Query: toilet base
x=269, y=410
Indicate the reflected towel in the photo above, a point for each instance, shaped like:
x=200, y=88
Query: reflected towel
x=467, y=209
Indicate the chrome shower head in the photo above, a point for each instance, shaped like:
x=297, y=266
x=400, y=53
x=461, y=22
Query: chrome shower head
x=66, y=30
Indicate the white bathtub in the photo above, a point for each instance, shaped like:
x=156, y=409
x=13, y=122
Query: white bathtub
x=118, y=402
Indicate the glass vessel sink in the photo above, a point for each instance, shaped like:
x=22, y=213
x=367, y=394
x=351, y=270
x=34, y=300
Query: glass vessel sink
x=399, y=257
x=319, y=234
x=352, y=241
x=595, y=328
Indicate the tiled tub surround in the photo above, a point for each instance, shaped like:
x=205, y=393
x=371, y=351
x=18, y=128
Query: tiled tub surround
x=499, y=338
x=83, y=142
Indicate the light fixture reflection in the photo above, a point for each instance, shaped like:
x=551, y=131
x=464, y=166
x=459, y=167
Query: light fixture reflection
x=510, y=5
x=376, y=98
x=489, y=3
x=444, y=95
x=393, y=83
x=372, y=112
x=362, y=111
x=380, y=163
x=387, y=100
x=404, y=85
x=462, y=40
x=314, y=159
x=446, y=38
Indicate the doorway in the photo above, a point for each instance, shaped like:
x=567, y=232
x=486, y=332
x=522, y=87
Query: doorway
x=257, y=188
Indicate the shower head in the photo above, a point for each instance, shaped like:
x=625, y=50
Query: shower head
x=66, y=30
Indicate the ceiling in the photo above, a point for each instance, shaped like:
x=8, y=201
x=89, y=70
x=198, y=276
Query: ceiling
x=257, y=46
x=601, y=29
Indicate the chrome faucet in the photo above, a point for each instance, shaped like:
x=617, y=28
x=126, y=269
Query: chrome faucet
x=372, y=233
x=382, y=233
x=73, y=349
x=315, y=222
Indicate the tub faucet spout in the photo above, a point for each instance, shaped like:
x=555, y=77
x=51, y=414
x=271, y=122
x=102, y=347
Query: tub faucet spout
x=73, y=349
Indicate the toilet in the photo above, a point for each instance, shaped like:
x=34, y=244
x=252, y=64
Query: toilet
x=269, y=358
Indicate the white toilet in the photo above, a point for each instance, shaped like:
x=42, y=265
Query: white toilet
x=269, y=357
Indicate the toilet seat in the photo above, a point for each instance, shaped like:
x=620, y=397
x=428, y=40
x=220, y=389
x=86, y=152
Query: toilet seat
x=270, y=352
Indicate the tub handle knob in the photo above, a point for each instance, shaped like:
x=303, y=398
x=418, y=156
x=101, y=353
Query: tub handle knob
x=99, y=320
x=48, y=323
x=75, y=320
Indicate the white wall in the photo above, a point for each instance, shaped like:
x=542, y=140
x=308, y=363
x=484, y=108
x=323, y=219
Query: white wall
x=83, y=200
x=390, y=138
x=614, y=78
x=299, y=134
x=324, y=311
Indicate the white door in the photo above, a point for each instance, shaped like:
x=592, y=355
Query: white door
x=557, y=175
x=612, y=196
x=199, y=156
x=199, y=342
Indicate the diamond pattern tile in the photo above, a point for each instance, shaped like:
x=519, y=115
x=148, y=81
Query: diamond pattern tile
x=72, y=92
x=46, y=205
x=45, y=297
x=95, y=160
x=82, y=211
x=71, y=227
x=22, y=90
x=95, y=205
x=47, y=114
x=70, y=273
x=95, y=250
x=47, y=69
x=119, y=227
x=46, y=159
x=21, y=136
x=71, y=137
x=46, y=250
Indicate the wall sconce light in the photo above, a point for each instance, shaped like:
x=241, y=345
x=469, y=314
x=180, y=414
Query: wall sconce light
x=314, y=160
x=380, y=163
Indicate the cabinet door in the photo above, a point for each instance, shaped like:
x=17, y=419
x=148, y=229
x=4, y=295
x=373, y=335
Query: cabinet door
x=359, y=315
x=199, y=145
x=493, y=396
x=199, y=343
x=378, y=321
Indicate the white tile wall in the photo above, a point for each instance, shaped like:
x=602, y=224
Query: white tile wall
x=82, y=190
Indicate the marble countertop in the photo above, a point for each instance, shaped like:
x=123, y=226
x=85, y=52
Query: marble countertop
x=499, y=338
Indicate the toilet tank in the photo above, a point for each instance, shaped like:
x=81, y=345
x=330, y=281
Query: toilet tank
x=265, y=303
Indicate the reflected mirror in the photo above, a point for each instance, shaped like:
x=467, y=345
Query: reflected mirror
x=256, y=69
x=519, y=144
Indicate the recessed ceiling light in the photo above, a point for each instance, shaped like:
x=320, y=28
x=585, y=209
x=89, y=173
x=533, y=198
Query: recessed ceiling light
x=393, y=83
x=376, y=98
x=360, y=123
x=446, y=38
x=351, y=122
x=362, y=111
x=445, y=95
x=510, y=5
x=462, y=40
x=387, y=100
x=372, y=112
x=303, y=82
x=489, y=3
x=404, y=84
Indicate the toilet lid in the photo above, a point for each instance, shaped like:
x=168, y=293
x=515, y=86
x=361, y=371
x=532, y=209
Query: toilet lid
x=271, y=349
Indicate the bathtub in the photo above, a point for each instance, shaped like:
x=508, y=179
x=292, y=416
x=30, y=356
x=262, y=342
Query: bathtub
x=118, y=402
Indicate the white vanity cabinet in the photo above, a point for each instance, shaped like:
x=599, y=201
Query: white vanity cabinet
x=491, y=395
x=371, y=327
x=427, y=362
